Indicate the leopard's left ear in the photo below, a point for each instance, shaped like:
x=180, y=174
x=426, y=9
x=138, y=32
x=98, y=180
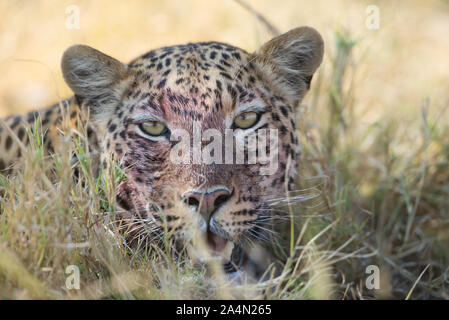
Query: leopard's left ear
x=291, y=59
x=92, y=74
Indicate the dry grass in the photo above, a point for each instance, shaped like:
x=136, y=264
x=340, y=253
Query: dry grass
x=374, y=133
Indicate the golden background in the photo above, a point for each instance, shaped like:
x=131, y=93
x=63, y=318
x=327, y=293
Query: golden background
x=398, y=65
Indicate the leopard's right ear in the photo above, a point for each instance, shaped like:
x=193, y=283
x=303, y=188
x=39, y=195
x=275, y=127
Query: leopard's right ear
x=90, y=73
x=291, y=59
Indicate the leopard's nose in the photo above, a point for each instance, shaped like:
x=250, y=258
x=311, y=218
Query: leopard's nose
x=206, y=201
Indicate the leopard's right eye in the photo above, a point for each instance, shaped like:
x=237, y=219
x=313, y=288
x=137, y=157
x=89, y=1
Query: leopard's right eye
x=154, y=128
x=246, y=120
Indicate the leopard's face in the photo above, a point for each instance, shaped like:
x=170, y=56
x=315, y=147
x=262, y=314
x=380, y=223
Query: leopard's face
x=169, y=120
x=210, y=86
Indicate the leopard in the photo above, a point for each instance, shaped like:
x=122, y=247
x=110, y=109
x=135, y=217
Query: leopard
x=133, y=109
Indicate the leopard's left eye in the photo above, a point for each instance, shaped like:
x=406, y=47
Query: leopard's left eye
x=246, y=120
x=154, y=128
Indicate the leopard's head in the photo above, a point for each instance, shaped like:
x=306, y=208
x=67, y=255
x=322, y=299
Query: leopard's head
x=178, y=118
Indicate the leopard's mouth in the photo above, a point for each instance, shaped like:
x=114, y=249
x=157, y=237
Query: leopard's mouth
x=219, y=249
x=232, y=255
x=217, y=244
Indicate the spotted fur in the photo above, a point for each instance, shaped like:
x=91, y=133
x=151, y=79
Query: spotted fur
x=181, y=84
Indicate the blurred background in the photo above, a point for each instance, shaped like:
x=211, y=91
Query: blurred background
x=399, y=63
x=374, y=128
